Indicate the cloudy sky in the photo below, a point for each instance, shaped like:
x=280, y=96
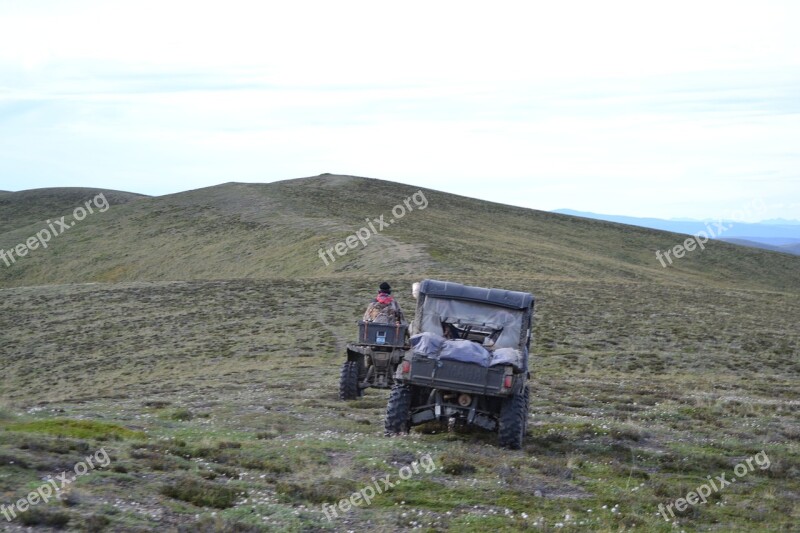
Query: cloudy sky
x=667, y=109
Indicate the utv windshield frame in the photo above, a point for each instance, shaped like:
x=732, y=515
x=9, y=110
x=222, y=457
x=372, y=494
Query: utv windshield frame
x=474, y=313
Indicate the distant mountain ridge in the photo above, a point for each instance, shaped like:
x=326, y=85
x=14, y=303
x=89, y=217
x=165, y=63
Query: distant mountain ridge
x=785, y=248
x=778, y=235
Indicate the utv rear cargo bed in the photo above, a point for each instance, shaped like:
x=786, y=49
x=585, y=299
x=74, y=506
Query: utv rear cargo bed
x=456, y=375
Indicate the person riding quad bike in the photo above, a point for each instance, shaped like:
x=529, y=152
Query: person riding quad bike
x=382, y=340
x=384, y=308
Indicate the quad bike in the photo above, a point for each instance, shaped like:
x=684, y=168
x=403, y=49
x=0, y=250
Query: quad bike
x=373, y=360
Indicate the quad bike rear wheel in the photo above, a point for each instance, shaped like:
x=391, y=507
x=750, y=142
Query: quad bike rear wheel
x=348, y=381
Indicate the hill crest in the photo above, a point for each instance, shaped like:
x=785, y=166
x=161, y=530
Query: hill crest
x=277, y=230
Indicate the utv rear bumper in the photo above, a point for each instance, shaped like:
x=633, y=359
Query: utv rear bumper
x=444, y=411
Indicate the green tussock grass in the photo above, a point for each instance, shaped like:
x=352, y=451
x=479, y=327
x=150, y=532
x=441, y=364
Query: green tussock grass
x=202, y=493
x=80, y=429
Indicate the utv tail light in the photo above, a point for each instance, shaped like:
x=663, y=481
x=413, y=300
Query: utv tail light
x=406, y=367
x=507, y=382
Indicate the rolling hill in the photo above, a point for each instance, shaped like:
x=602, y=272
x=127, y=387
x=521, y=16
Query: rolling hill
x=277, y=230
x=23, y=208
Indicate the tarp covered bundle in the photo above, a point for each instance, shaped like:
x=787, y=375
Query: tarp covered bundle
x=466, y=352
x=436, y=346
x=427, y=343
x=507, y=356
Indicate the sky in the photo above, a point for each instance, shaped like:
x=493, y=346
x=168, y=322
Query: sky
x=659, y=109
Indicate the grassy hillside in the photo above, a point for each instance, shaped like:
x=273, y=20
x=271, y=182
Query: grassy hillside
x=208, y=370
x=276, y=231
x=228, y=392
x=21, y=209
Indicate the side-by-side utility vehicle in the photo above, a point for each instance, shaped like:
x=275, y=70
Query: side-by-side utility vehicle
x=467, y=363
